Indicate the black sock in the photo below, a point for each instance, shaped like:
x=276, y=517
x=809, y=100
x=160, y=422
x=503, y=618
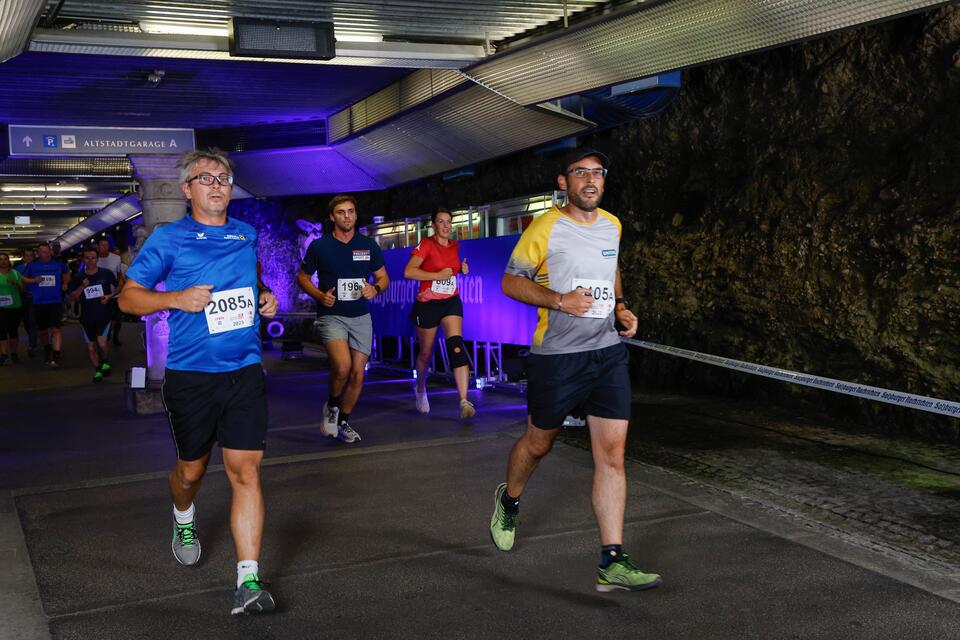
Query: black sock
x=510, y=504
x=333, y=402
x=56, y=355
x=344, y=418
x=610, y=553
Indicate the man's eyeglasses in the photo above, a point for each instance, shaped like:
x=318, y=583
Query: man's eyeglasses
x=583, y=172
x=207, y=179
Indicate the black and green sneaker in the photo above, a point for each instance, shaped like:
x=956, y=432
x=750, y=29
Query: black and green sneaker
x=624, y=575
x=97, y=376
x=251, y=597
x=105, y=370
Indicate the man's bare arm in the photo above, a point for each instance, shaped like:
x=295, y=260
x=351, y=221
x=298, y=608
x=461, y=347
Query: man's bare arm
x=525, y=290
x=140, y=301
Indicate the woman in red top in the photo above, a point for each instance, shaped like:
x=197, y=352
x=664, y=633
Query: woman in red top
x=435, y=262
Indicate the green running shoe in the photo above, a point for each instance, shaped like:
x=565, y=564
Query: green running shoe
x=97, y=376
x=186, y=544
x=623, y=574
x=251, y=597
x=503, y=525
x=105, y=369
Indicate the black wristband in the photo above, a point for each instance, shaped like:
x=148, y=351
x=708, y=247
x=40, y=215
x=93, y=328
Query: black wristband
x=377, y=287
x=619, y=301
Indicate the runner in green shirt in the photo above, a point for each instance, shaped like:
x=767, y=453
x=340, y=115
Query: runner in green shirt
x=11, y=284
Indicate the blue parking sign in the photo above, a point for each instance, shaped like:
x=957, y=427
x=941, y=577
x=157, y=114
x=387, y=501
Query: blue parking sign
x=50, y=142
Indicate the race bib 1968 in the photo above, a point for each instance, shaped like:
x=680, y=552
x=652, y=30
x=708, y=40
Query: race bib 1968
x=93, y=292
x=445, y=287
x=230, y=310
x=349, y=289
x=604, y=299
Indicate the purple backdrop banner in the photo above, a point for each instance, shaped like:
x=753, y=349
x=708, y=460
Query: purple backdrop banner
x=488, y=315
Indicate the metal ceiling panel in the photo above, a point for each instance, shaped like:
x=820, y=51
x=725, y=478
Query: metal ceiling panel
x=667, y=36
x=466, y=127
x=433, y=20
x=300, y=172
x=115, y=91
x=415, y=89
x=114, y=213
x=17, y=20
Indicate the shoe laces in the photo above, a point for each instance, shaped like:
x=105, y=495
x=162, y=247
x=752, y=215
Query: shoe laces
x=254, y=583
x=186, y=534
x=626, y=563
x=508, y=521
x=347, y=429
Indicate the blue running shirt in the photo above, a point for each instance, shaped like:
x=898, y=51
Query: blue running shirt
x=49, y=291
x=186, y=253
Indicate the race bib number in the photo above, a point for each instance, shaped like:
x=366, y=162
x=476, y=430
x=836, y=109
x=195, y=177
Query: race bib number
x=445, y=287
x=93, y=292
x=48, y=281
x=6, y=301
x=349, y=289
x=230, y=310
x=604, y=299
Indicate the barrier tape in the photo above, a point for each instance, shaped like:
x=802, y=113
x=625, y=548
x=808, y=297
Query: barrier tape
x=913, y=401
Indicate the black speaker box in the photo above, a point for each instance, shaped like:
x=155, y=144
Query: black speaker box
x=251, y=37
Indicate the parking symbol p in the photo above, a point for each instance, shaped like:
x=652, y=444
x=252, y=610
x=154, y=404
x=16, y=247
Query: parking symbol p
x=50, y=142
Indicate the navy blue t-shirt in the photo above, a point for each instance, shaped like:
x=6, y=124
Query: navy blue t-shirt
x=186, y=253
x=340, y=266
x=91, y=309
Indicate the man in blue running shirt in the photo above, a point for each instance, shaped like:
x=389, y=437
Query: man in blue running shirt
x=213, y=386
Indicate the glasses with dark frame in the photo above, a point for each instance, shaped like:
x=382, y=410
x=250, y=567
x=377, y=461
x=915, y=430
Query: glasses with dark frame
x=583, y=172
x=207, y=179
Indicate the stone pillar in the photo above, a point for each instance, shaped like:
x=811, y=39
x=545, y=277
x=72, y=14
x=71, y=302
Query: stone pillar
x=162, y=201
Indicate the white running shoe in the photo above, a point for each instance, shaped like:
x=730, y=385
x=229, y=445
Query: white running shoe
x=423, y=405
x=329, y=424
x=347, y=434
x=467, y=410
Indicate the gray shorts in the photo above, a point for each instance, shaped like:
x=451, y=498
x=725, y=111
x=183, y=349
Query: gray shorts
x=357, y=331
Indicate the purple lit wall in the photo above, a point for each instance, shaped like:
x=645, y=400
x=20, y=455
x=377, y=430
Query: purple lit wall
x=276, y=247
x=488, y=315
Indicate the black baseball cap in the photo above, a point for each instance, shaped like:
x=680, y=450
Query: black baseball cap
x=579, y=154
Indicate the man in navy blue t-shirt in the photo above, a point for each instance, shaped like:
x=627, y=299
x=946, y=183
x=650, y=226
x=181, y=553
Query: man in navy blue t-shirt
x=343, y=261
x=95, y=289
x=213, y=386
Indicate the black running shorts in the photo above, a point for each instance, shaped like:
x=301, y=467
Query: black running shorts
x=229, y=408
x=48, y=316
x=557, y=384
x=428, y=314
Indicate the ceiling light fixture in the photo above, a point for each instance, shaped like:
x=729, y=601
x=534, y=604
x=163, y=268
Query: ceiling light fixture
x=182, y=29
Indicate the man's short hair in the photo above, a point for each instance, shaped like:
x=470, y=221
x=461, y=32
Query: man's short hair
x=43, y=244
x=340, y=199
x=433, y=218
x=190, y=159
x=107, y=240
x=4, y=253
x=24, y=252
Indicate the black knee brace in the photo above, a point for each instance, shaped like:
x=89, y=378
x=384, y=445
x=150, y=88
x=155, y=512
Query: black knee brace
x=457, y=352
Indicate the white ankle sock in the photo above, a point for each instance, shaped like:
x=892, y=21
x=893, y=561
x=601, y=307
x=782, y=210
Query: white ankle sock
x=184, y=517
x=245, y=568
